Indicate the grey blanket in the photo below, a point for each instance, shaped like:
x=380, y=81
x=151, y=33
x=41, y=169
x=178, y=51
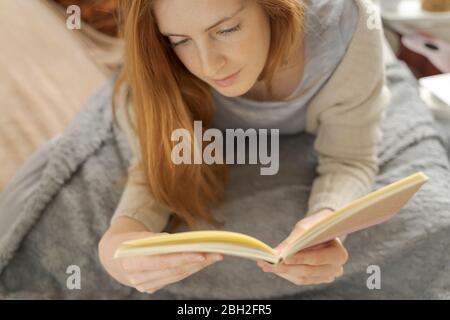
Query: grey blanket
x=64, y=217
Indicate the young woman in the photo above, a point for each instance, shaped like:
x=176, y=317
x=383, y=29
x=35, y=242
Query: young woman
x=294, y=65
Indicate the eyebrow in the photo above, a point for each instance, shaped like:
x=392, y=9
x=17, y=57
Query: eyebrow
x=214, y=25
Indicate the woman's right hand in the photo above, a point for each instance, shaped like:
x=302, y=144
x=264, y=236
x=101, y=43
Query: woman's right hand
x=153, y=272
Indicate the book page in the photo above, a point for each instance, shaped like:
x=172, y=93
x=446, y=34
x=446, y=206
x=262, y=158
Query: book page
x=200, y=237
x=362, y=213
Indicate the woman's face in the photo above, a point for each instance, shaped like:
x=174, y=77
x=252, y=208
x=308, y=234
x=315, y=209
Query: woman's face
x=215, y=39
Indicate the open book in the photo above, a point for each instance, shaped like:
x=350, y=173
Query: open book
x=371, y=209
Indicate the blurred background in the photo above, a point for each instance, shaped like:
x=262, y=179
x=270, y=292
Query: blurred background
x=48, y=71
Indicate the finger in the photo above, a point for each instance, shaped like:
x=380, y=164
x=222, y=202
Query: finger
x=161, y=261
x=300, y=227
x=305, y=271
x=174, y=277
x=291, y=238
x=139, y=278
x=150, y=290
x=334, y=255
x=303, y=225
x=320, y=245
x=306, y=281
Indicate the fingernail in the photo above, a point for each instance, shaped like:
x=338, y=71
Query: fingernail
x=199, y=258
x=279, y=249
x=216, y=257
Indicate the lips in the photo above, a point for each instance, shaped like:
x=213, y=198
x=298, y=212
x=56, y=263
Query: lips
x=223, y=79
x=227, y=81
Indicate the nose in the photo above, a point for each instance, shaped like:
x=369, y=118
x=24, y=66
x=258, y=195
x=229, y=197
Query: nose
x=211, y=61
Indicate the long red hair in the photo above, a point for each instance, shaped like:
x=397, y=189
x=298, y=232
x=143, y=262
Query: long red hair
x=165, y=96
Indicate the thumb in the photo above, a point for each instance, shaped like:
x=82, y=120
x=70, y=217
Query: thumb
x=291, y=238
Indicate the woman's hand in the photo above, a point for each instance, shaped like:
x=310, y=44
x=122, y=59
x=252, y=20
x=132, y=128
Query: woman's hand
x=150, y=273
x=315, y=265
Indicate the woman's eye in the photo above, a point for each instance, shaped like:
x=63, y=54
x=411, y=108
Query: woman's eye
x=178, y=43
x=238, y=27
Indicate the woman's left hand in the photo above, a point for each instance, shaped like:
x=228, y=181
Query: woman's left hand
x=322, y=263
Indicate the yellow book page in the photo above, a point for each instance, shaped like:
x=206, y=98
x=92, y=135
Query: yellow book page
x=202, y=236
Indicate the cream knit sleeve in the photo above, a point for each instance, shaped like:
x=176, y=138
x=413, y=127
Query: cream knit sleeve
x=346, y=143
x=136, y=201
x=346, y=119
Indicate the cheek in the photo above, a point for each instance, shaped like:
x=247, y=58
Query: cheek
x=255, y=45
x=244, y=47
x=243, y=50
x=236, y=52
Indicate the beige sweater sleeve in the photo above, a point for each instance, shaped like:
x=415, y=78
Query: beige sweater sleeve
x=136, y=201
x=346, y=118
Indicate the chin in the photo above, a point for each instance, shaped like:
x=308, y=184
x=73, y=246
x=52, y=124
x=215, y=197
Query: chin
x=229, y=93
x=233, y=90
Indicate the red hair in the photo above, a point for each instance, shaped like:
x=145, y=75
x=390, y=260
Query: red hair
x=165, y=96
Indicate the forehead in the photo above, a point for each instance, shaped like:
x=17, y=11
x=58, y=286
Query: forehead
x=182, y=15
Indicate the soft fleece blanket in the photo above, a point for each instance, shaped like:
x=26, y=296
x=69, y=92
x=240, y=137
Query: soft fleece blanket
x=70, y=208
